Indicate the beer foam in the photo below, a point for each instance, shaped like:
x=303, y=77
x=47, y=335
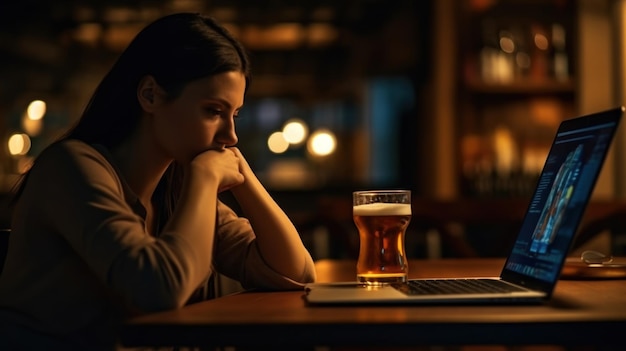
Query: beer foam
x=382, y=209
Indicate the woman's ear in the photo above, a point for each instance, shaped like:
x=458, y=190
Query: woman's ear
x=146, y=91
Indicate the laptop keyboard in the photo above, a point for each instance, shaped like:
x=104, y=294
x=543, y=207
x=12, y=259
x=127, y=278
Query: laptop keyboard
x=456, y=286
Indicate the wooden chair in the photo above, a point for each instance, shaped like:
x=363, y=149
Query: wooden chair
x=604, y=217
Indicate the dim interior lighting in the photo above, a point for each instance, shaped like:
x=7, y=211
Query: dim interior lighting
x=541, y=41
x=19, y=144
x=277, y=143
x=507, y=44
x=88, y=33
x=522, y=59
x=295, y=131
x=321, y=34
x=36, y=110
x=322, y=143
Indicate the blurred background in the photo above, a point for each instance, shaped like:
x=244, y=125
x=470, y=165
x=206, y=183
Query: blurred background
x=456, y=100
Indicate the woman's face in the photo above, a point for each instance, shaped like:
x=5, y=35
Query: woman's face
x=201, y=117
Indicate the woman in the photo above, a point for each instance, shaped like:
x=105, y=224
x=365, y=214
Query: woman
x=121, y=215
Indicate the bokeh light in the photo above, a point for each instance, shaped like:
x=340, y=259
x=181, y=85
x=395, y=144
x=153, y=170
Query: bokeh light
x=322, y=143
x=507, y=44
x=277, y=143
x=295, y=131
x=19, y=144
x=541, y=41
x=36, y=110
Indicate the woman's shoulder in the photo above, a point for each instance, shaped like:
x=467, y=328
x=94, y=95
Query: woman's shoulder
x=68, y=155
x=70, y=151
x=73, y=164
x=68, y=147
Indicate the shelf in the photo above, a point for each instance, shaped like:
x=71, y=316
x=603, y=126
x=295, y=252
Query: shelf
x=522, y=87
x=517, y=80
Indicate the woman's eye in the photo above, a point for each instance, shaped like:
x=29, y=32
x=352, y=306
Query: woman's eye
x=218, y=112
x=213, y=111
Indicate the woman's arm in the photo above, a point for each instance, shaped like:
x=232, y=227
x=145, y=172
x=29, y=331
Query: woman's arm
x=277, y=239
x=192, y=225
x=91, y=212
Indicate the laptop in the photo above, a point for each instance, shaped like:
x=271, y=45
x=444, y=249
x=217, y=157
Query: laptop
x=538, y=254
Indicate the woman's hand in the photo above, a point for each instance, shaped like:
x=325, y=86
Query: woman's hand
x=221, y=166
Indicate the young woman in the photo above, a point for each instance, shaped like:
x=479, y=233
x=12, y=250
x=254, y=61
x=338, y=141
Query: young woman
x=121, y=215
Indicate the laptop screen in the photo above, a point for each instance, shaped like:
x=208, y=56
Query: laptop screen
x=563, y=190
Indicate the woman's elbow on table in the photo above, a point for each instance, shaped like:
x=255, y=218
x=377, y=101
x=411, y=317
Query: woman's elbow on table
x=310, y=275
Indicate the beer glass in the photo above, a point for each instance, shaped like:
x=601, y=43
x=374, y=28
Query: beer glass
x=381, y=217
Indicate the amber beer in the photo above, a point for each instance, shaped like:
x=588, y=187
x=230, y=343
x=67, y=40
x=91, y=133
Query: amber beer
x=382, y=224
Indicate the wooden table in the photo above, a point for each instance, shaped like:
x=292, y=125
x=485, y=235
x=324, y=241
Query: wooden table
x=580, y=313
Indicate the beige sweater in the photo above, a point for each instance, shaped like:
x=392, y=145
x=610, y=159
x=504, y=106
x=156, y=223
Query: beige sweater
x=80, y=260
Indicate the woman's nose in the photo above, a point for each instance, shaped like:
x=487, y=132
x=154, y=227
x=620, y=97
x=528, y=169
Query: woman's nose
x=227, y=134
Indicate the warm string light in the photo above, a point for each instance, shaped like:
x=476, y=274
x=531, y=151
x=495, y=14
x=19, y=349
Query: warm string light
x=19, y=144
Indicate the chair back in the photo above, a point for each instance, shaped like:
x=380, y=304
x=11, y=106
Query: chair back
x=4, y=246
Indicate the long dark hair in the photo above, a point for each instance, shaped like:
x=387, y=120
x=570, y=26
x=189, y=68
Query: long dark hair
x=176, y=50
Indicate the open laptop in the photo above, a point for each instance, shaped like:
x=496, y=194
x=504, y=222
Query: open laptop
x=535, y=261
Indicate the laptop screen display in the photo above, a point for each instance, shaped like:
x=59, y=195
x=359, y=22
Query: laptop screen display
x=563, y=190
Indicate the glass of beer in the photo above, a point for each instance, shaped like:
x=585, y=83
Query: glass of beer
x=381, y=217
